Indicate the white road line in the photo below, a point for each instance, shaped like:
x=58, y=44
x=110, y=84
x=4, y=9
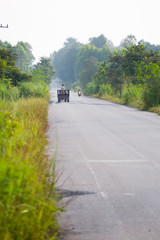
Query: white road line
x=97, y=182
x=116, y=161
x=103, y=194
x=129, y=194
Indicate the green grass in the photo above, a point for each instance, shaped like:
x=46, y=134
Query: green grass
x=155, y=109
x=34, y=89
x=8, y=93
x=111, y=98
x=28, y=203
x=131, y=96
x=136, y=103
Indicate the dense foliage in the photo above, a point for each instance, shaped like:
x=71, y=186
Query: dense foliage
x=43, y=70
x=100, y=42
x=129, y=72
x=64, y=60
x=89, y=52
x=15, y=83
x=8, y=69
x=70, y=61
x=23, y=51
x=133, y=71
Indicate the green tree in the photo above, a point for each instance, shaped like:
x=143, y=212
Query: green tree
x=8, y=55
x=25, y=57
x=8, y=69
x=87, y=51
x=128, y=41
x=133, y=54
x=17, y=76
x=5, y=45
x=149, y=76
x=70, y=42
x=101, y=75
x=64, y=60
x=89, y=69
x=3, y=65
x=149, y=46
x=44, y=69
x=100, y=41
x=132, y=66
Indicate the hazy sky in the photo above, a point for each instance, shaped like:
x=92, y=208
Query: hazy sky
x=46, y=24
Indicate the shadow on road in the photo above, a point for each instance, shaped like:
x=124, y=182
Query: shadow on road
x=68, y=193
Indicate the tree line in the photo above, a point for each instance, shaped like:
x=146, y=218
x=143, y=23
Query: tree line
x=18, y=76
x=70, y=61
x=129, y=71
x=23, y=51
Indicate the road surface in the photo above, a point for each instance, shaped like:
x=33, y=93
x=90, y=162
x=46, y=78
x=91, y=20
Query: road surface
x=108, y=159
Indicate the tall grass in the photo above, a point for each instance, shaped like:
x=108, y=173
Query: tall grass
x=34, y=89
x=106, y=89
x=28, y=210
x=132, y=95
x=90, y=88
x=8, y=93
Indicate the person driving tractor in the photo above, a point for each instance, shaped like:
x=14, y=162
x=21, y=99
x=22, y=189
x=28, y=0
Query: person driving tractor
x=63, y=88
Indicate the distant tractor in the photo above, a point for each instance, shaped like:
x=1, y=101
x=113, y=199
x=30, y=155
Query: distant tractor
x=63, y=95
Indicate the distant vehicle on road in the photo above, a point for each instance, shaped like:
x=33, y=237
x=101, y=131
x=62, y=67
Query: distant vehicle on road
x=63, y=95
x=79, y=92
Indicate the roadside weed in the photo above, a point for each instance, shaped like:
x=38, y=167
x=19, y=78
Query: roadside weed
x=28, y=210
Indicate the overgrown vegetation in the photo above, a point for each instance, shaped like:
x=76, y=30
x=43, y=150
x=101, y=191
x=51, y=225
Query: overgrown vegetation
x=15, y=83
x=133, y=76
x=28, y=201
x=30, y=89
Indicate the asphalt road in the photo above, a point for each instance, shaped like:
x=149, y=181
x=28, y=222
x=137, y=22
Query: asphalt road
x=108, y=159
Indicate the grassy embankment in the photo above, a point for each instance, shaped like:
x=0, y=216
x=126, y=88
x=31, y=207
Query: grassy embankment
x=134, y=103
x=132, y=97
x=28, y=202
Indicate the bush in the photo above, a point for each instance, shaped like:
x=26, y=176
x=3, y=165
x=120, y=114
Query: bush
x=90, y=88
x=17, y=76
x=151, y=79
x=8, y=93
x=132, y=94
x=151, y=96
x=32, y=89
x=105, y=89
